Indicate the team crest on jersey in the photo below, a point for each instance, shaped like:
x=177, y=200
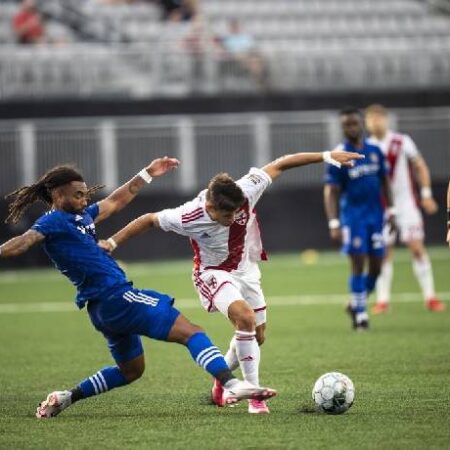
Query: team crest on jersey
x=212, y=282
x=374, y=157
x=241, y=217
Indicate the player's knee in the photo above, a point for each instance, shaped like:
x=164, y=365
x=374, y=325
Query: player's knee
x=246, y=321
x=134, y=372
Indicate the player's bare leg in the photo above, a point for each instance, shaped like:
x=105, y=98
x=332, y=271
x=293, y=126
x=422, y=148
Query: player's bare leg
x=424, y=274
x=384, y=283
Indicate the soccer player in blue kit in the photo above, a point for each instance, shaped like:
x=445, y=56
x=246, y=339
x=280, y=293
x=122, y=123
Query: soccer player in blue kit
x=360, y=190
x=118, y=310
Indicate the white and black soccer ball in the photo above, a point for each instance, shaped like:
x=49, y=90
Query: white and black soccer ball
x=333, y=393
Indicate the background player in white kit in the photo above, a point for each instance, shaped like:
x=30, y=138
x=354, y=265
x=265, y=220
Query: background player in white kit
x=404, y=158
x=222, y=225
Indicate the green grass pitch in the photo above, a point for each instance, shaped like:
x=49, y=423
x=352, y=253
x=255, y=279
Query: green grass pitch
x=401, y=368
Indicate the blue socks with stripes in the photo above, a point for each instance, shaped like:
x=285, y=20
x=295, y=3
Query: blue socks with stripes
x=104, y=380
x=204, y=353
x=209, y=357
x=359, y=296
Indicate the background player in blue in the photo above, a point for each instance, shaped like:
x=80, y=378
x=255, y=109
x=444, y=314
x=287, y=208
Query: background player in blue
x=361, y=190
x=117, y=309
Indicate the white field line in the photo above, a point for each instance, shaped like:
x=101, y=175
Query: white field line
x=191, y=303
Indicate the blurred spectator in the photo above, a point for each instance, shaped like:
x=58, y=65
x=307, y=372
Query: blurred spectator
x=241, y=47
x=179, y=10
x=28, y=25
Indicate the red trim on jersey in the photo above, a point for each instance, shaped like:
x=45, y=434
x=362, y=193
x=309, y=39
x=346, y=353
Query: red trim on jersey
x=194, y=215
x=413, y=185
x=393, y=151
x=236, y=242
x=264, y=256
x=197, y=257
x=260, y=309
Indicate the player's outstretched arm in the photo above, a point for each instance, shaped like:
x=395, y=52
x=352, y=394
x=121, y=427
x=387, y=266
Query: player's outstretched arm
x=428, y=203
x=137, y=226
x=331, y=193
x=123, y=195
x=335, y=157
x=20, y=244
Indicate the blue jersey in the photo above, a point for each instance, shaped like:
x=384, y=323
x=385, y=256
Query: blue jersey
x=361, y=185
x=71, y=244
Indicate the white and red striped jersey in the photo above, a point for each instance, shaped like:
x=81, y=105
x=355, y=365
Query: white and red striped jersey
x=400, y=150
x=216, y=246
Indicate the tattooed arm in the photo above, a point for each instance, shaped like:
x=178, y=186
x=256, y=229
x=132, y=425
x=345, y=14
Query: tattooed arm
x=20, y=244
x=126, y=193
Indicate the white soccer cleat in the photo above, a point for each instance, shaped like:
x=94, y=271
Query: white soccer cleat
x=258, y=407
x=240, y=390
x=54, y=403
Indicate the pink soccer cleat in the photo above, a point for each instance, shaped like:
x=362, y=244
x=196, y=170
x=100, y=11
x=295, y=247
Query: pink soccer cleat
x=258, y=407
x=434, y=304
x=240, y=390
x=217, y=393
x=54, y=403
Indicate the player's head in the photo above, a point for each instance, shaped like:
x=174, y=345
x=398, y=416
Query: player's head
x=62, y=187
x=224, y=198
x=377, y=120
x=352, y=124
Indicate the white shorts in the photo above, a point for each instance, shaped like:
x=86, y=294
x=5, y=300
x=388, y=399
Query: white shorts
x=410, y=227
x=217, y=289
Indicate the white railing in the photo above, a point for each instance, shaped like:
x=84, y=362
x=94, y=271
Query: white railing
x=109, y=150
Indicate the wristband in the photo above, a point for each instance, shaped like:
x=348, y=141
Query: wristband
x=328, y=159
x=112, y=243
x=333, y=224
x=145, y=176
x=425, y=192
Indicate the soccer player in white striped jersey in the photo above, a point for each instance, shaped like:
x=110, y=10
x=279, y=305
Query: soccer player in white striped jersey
x=223, y=228
x=404, y=158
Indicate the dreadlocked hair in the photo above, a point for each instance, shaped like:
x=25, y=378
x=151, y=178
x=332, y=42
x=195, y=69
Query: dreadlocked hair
x=40, y=191
x=224, y=193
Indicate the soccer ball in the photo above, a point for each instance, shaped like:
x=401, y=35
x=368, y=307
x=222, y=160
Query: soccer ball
x=333, y=393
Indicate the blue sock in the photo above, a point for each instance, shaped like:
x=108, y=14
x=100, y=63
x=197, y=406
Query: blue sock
x=104, y=380
x=206, y=354
x=359, y=293
x=370, y=283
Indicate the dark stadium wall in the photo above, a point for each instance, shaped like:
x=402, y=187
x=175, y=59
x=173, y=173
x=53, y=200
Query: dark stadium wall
x=292, y=221
x=296, y=101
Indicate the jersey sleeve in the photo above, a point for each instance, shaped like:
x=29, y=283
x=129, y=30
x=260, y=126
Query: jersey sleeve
x=171, y=220
x=93, y=210
x=384, y=164
x=410, y=148
x=47, y=224
x=333, y=175
x=254, y=184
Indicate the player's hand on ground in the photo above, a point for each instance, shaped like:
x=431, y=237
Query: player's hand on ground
x=105, y=245
x=336, y=235
x=346, y=158
x=161, y=166
x=429, y=205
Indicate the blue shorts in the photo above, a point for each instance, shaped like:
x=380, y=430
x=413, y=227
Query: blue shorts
x=129, y=314
x=361, y=238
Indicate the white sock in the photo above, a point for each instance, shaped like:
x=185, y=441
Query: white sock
x=249, y=355
x=384, y=282
x=424, y=274
x=231, y=358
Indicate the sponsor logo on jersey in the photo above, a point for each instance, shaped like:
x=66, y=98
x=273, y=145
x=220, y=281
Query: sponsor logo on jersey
x=254, y=179
x=360, y=171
